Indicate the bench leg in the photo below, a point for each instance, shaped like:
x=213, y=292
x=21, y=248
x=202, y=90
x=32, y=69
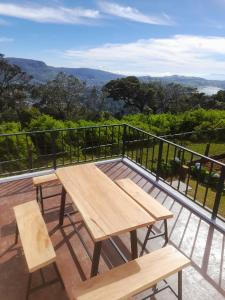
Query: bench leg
x=28, y=286
x=62, y=206
x=16, y=235
x=134, y=247
x=58, y=274
x=166, y=233
x=41, y=199
x=37, y=193
x=96, y=258
x=179, y=285
x=146, y=240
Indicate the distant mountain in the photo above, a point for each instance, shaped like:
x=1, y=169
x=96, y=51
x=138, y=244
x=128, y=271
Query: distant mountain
x=187, y=80
x=42, y=73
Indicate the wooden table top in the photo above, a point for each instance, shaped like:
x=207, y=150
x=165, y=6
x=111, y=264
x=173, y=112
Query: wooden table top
x=105, y=208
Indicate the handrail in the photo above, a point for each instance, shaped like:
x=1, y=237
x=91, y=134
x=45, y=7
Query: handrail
x=59, y=129
x=179, y=146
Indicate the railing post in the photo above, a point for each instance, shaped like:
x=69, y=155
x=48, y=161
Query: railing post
x=219, y=193
x=124, y=139
x=207, y=149
x=53, y=142
x=159, y=160
x=30, y=157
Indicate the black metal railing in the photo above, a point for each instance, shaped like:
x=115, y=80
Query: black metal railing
x=33, y=151
x=198, y=177
x=194, y=175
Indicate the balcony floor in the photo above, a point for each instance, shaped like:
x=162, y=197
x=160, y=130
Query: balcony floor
x=199, y=241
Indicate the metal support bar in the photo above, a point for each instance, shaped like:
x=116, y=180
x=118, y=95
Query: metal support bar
x=146, y=240
x=62, y=206
x=16, y=235
x=96, y=258
x=41, y=199
x=133, y=241
x=180, y=285
x=147, y=237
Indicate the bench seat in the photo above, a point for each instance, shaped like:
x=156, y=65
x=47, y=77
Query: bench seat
x=151, y=205
x=37, y=246
x=39, y=180
x=133, y=277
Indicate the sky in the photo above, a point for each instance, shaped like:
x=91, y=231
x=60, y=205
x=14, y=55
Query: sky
x=138, y=37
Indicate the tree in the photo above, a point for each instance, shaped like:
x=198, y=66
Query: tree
x=14, y=88
x=132, y=92
x=61, y=97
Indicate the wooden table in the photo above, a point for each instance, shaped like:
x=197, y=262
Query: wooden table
x=105, y=208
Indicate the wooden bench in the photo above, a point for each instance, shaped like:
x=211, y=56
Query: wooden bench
x=38, y=182
x=134, y=277
x=36, y=243
x=151, y=205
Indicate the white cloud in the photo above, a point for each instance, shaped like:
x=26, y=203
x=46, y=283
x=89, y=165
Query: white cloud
x=133, y=14
x=179, y=54
x=47, y=14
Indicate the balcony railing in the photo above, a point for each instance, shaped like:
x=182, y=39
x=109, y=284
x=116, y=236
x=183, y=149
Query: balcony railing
x=198, y=177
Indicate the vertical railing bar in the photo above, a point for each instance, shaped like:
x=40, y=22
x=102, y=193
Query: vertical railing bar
x=174, y=155
x=99, y=142
x=85, y=144
x=92, y=142
x=118, y=137
x=112, y=147
x=189, y=173
x=167, y=153
x=182, y=160
x=207, y=186
x=153, y=154
x=146, y=160
x=106, y=141
x=198, y=178
x=78, y=145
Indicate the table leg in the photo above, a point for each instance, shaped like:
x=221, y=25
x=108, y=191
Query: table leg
x=62, y=206
x=133, y=242
x=96, y=258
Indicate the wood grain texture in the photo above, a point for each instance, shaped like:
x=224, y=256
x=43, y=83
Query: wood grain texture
x=133, y=277
x=37, y=246
x=43, y=179
x=151, y=205
x=105, y=208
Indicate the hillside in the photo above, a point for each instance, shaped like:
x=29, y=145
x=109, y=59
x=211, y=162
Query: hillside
x=42, y=73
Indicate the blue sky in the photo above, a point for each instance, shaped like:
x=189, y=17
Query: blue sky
x=162, y=37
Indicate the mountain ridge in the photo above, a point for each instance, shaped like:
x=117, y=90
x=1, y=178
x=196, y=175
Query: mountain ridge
x=42, y=73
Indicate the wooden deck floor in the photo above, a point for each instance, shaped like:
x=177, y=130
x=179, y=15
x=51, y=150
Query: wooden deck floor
x=204, y=245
